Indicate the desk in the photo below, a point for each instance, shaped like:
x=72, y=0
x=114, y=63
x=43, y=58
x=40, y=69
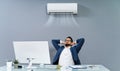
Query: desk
x=54, y=68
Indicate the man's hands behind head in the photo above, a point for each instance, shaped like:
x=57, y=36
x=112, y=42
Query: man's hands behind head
x=64, y=43
x=73, y=43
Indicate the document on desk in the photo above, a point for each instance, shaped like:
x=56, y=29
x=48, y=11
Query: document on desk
x=78, y=67
x=90, y=67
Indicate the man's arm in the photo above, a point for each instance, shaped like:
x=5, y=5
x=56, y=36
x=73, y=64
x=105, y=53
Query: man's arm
x=56, y=44
x=79, y=44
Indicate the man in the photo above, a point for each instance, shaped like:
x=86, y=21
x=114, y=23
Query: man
x=68, y=54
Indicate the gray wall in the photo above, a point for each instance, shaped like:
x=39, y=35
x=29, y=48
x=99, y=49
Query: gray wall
x=99, y=24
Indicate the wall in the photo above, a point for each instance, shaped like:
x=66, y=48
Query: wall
x=99, y=23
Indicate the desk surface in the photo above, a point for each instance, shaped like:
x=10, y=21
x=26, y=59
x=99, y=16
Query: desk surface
x=54, y=68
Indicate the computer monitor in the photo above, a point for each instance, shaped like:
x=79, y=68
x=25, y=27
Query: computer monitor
x=39, y=50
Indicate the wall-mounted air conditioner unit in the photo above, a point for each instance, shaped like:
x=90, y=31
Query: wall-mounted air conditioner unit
x=62, y=8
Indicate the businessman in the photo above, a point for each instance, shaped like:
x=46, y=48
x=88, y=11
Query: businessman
x=67, y=54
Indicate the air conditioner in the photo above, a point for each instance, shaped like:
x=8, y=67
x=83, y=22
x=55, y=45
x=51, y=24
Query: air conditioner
x=62, y=8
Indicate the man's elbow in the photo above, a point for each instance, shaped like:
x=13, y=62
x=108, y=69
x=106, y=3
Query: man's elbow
x=56, y=41
x=82, y=40
x=52, y=41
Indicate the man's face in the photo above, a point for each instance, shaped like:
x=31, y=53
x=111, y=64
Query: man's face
x=68, y=42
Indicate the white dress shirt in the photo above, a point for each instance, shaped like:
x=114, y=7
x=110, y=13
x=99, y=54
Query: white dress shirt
x=66, y=57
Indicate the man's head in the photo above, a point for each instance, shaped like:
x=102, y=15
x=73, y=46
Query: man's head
x=68, y=41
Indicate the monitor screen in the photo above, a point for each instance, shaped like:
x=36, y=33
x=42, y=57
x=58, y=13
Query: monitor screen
x=39, y=50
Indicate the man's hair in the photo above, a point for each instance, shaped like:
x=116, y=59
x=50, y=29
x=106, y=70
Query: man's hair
x=70, y=38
